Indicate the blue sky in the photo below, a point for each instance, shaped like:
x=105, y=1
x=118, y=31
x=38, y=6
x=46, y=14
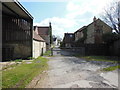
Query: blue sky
x=65, y=16
x=43, y=10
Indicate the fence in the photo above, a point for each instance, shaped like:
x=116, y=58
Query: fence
x=114, y=48
x=96, y=49
x=75, y=50
x=89, y=49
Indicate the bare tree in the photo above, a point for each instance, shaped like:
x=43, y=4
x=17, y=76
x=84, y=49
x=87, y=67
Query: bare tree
x=111, y=15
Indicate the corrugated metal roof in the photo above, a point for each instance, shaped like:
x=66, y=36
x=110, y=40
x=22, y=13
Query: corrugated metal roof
x=18, y=9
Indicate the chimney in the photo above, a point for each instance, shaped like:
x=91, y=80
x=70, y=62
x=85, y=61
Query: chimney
x=36, y=29
x=50, y=24
x=94, y=19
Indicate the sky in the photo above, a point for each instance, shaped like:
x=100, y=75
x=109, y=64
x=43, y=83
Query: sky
x=66, y=16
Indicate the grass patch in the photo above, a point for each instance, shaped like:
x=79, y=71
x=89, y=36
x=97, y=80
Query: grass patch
x=0, y=80
x=47, y=53
x=18, y=60
x=10, y=66
x=101, y=58
x=111, y=68
x=21, y=75
x=30, y=58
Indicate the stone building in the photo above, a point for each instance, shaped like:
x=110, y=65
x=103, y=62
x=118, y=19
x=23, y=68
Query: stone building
x=46, y=33
x=39, y=45
x=79, y=33
x=95, y=30
x=92, y=33
x=17, y=27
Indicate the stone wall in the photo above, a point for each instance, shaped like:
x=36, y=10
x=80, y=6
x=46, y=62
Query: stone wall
x=104, y=26
x=89, y=49
x=95, y=31
x=78, y=35
x=90, y=34
x=14, y=51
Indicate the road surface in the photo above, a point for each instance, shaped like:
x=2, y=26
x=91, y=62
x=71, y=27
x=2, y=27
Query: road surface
x=67, y=71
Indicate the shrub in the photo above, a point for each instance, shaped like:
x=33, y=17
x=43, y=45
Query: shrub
x=110, y=37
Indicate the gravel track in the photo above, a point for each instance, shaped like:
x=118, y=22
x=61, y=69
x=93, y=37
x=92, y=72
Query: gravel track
x=71, y=72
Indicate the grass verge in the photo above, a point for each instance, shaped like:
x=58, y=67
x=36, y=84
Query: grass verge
x=111, y=68
x=22, y=74
x=105, y=59
x=0, y=80
x=47, y=53
x=101, y=58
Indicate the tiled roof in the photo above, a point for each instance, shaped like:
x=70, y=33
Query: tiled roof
x=79, y=30
x=37, y=37
x=82, y=28
x=43, y=30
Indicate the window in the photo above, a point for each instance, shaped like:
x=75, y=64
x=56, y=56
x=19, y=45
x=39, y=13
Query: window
x=71, y=35
x=98, y=31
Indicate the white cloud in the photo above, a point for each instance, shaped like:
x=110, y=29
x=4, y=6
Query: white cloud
x=79, y=13
x=59, y=25
x=72, y=7
x=80, y=7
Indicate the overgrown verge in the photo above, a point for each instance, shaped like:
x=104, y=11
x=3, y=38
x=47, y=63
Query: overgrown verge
x=47, y=53
x=22, y=74
x=0, y=77
x=112, y=68
x=101, y=58
x=104, y=59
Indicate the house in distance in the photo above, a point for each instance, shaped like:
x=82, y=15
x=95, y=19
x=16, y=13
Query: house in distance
x=92, y=33
x=46, y=33
x=89, y=39
x=68, y=40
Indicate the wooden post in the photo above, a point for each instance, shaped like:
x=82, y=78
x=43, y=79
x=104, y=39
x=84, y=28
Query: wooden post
x=51, y=51
x=42, y=52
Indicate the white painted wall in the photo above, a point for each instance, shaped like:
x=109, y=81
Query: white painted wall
x=37, y=48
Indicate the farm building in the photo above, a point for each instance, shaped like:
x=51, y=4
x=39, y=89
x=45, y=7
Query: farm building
x=17, y=27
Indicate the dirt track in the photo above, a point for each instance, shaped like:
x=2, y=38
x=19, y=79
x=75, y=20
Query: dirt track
x=72, y=72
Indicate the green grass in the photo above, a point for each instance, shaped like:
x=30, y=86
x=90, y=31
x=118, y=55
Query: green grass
x=47, y=53
x=11, y=66
x=30, y=58
x=18, y=60
x=101, y=58
x=0, y=80
x=105, y=59
x=22, y=74
x=111, y=68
